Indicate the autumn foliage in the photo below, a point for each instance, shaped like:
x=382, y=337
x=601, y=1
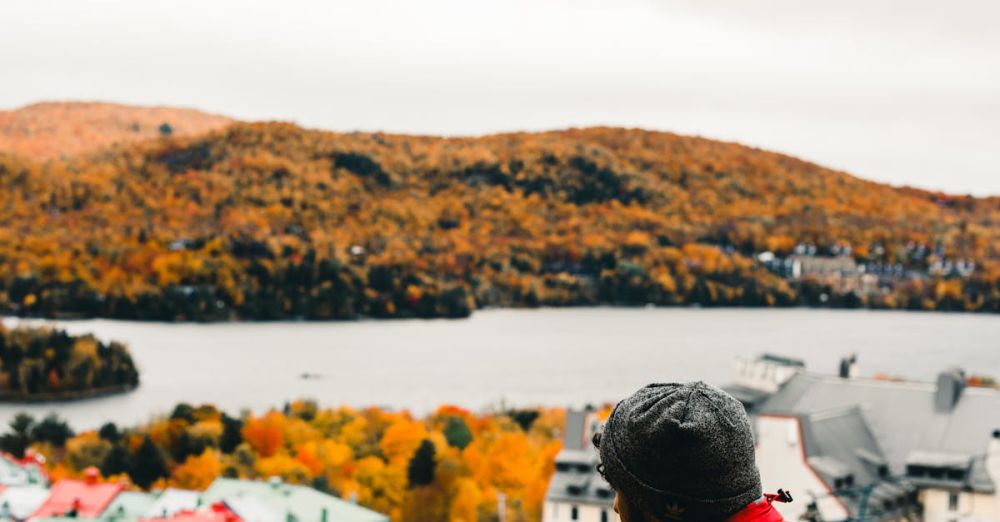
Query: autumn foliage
x=268, y=221
x=392, y=462
x=45, y=363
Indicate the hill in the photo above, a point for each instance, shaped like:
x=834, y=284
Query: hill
x=268, y=220
x=45, y=131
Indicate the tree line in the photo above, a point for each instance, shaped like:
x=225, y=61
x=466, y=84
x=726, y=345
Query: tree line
x=449, y=465
x=270, y=221
x=49, y=363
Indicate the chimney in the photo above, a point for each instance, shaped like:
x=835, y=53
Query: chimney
x=950, y=385
x=848, y=366
x=576, y=426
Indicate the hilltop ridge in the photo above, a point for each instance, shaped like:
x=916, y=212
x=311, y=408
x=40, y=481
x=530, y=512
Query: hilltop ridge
x=269, y=220
x=51, y=130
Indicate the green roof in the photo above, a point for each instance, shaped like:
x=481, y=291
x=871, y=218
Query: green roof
x=289, y=502
x=128, y=506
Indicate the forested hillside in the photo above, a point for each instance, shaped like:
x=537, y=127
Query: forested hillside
x=268, y=220
x=52, y=130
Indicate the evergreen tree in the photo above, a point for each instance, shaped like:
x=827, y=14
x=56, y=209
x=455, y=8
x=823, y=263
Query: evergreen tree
x=420, y=471
x=457, y=433
x=117, y=461
x=149, y=464
x=109, y=432
x=183, y=411
x=232, y=434
x=523, y=418
x=19, y=438
x=52, y=430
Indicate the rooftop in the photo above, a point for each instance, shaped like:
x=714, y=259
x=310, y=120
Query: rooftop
x=906, y=420
x=278, y=499
x=84, y=499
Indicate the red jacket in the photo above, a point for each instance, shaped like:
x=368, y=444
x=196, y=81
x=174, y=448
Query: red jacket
x=760, y=511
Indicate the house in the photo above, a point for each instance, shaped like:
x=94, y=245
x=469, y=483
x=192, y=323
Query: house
x=883, y=446
x=86, y=498
x=21, y=472
x=756, y=379
x=216, y=513
x=834, y=464
x=276, y=501
x=19, y=502
x=173, y=501
x=577, y=492
x=128, y=506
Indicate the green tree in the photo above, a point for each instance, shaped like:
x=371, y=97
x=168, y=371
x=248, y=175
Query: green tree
x=232, y=434
x=149, y=464
x=523, y=418
x=109, y=432
x=19, y=438
x=117, y=461
x=457, y=433
x=420, y=471
x=52, y=430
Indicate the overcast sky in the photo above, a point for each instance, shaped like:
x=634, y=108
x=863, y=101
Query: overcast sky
x=902, y=91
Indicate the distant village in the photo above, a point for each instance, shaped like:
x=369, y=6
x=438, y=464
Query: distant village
x=846, y=447
x=838, y=267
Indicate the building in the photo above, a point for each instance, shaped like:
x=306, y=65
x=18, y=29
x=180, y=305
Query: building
x=19, y=502
x=128, y=506
x=22, y=472
x=173, y=501
x=277, y=501
x=215, y=513
x=834, y=464
x=86, y=498
x=757, y=379
x=883, y=447
x=577, y=492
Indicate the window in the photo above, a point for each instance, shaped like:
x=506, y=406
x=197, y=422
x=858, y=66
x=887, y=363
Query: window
x=953, y=501
x=574, y=513
x=604, y=515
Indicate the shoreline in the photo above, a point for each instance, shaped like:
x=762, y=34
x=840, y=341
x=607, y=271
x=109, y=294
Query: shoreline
x=12, y=398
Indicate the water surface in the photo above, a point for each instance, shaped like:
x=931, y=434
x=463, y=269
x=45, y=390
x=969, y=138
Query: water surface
x=517, y=357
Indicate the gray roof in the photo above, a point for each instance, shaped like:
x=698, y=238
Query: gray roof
x=749, y=397
x=782, y=360
x=841, y=447
x=901, y=416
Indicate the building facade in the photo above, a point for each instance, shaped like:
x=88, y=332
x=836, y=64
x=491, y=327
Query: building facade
x=577, y=492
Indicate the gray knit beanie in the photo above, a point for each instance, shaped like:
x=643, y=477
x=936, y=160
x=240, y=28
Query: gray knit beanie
x=681, y=452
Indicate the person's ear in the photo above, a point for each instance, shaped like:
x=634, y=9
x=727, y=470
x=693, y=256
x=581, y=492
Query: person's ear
x=617, y=496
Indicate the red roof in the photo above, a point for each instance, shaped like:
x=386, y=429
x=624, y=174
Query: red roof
x=88, y=498
x=217, y=513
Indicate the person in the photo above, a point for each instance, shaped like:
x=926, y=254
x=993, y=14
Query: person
x=683, y=451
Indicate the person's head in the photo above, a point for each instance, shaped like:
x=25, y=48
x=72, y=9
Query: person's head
x=679, y=452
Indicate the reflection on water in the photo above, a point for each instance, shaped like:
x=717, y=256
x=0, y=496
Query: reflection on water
x=523, y=357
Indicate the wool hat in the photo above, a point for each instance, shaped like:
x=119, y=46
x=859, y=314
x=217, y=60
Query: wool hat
x=681, y=452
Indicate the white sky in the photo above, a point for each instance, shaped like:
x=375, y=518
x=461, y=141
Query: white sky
x=902, y=91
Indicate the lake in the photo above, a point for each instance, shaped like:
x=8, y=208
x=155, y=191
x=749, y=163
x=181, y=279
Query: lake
x=556, y=357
